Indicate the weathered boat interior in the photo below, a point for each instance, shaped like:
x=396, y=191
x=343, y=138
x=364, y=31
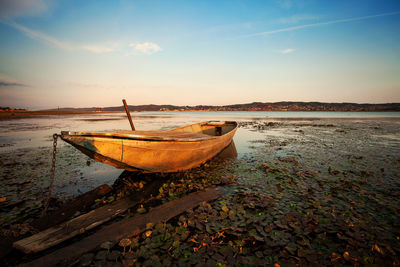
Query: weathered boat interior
x=194, y=132
x=213, y=128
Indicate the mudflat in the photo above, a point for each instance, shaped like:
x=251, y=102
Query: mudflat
x=302, y=191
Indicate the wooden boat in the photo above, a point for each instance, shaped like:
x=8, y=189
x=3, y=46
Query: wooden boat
x=156, y=151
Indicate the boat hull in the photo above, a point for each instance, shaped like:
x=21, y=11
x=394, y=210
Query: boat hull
x=168, y=154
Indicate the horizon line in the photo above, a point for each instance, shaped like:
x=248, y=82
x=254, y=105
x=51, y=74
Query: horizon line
x=356, y=103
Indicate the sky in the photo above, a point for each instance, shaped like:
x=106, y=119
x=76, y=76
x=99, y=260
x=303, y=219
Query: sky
x=94, y=53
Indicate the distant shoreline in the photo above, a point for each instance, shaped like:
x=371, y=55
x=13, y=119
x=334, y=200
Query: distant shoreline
x=20, y=114
x=254, y=106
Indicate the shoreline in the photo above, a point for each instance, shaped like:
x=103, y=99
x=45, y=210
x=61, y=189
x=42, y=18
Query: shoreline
x=10, y=115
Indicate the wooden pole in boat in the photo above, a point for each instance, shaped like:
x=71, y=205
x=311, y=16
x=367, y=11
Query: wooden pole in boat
x=128, y=114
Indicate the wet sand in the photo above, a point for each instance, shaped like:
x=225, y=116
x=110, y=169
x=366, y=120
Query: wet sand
x=303, y=191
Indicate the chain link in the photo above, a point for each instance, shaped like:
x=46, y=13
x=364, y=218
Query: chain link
x=52, y=171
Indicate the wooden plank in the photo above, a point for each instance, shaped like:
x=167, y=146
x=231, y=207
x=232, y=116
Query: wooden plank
x=127, y=227
x=70, y=208
x=71, y=228
x=60, y=215
x=57, y=234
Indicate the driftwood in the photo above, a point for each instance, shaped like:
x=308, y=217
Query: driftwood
x=127, y=227
x=70, y=208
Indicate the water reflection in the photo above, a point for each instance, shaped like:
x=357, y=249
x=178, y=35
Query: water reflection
x=27, y=142
x=228, y=152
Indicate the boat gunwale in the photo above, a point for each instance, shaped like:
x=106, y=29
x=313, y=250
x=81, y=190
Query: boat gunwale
x=138, y=137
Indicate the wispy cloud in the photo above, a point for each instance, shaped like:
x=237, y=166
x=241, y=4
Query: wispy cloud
x=6, y=81
x=41, y=36
x=287, y=51
x=296, y=19
x=147, y=48
x=295, y=28
x=98, y=49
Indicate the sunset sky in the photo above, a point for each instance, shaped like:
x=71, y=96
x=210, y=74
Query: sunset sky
x=94, y=53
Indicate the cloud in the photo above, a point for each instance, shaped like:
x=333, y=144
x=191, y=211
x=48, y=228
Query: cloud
x=147, y=48
x=295, y=28
x=6, y=81
x=97, y=49
x=16, y=8
x=41, y=36
x=296, y=19
x=287, y=51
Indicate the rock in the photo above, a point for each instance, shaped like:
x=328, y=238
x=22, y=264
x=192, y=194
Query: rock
x=86, y=259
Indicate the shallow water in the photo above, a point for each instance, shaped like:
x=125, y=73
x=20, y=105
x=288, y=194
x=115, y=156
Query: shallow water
x=277, y=114
x=26, y=145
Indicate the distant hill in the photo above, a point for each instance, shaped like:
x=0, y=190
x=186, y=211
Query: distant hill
x=255, y=106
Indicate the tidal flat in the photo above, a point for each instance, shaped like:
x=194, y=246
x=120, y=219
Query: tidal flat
x=300, y=191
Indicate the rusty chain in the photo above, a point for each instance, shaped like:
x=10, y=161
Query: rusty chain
x=52, y=171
